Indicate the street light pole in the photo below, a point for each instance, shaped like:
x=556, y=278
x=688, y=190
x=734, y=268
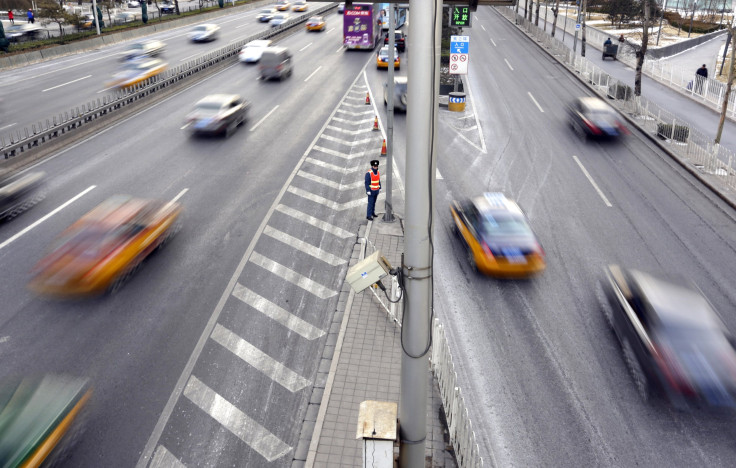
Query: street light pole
x=388, y=216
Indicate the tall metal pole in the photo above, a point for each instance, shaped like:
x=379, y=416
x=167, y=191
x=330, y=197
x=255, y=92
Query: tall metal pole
x=582, y=43
x=421, y=127
x=94, y=14
x=577, y=18
x=389, y=216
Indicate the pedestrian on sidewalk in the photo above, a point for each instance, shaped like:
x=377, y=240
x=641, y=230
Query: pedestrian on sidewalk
x=607, y=42
x=11, y=17
x=31, y=19
x=372, y=187
x=700, y=76
x=621, y=39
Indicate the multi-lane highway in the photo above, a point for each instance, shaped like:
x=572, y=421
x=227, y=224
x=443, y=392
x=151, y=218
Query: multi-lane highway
x=208, y=356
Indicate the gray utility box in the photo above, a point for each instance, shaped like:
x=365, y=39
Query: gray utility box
x=368, y=271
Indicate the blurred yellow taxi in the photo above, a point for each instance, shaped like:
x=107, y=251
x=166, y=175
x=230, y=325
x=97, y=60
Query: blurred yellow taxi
x=382, y=58
x=283, y=5
x=497, y=236
x=300, y=6
x=100, y=251
x=136, y=71
x=316, y=23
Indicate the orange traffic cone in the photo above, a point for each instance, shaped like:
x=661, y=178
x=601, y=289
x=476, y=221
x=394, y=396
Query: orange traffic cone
x=383, y=148
x=375, y=124
x=367, y=98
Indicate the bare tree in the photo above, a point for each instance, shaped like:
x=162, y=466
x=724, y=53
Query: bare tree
x=729, y=84
x=556, y=11
x=51, y=12
x=641, y=52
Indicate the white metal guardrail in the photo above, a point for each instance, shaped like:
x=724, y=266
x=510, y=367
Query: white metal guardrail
x=680, y=138
x=21, y=141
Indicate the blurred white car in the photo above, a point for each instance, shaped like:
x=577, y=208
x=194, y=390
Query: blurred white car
x=279, y=19
x=252, y=51
x=145, y=48
x=124, y=17
x=265, y=15
x=204, y=32
x=134, y=4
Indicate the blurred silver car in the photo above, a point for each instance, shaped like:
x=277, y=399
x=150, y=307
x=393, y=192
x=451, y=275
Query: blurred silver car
x=204, y=33
x=400, y=86
x=266, y=14
x=252, y=51
x=147, y=48
x=279, y=19
x=218, y=114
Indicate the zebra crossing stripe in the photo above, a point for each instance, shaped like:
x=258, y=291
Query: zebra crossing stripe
x=318, y=223
x=330, y=183
x=354, y=114
x=333, y=167
x=352, y=121
x=246, y=429
x=348, y=143
x=299, y=244
x=259, y=360
x=324, y=201
x=276, y=313
x=350, y=132
x=340, y=154
x=291, y=276
x=162, y=458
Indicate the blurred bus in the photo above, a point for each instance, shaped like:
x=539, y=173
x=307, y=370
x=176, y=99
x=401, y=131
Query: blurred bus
x=361, y=26
x=401, y=10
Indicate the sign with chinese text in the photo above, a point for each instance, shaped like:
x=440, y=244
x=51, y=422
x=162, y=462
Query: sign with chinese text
x=460, y=16
x=459, y=56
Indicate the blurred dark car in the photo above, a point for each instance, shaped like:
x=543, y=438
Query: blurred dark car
x=40, y=418
x=592, y=117
x=497, y=235
x=672, y=339
x=218, y=113
x=101, y=251
x=266, y=14
x=399, y=40
x=400, y=88
x=20, y=192
x=167, y=7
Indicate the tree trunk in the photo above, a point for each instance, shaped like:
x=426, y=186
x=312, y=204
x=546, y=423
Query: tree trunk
x=556, y=12
x=641, y=53
x=526, y=7
x=536, y=14
x=729, y=84
x=583, y=41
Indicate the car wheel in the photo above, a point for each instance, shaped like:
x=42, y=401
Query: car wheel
x=122, y=278
x=471, y=260
x=640, y=380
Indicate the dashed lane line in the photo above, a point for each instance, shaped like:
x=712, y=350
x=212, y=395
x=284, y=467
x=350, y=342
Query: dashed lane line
x=276, y=313
x=259, y=360
x=241, y=425
x=292, y=276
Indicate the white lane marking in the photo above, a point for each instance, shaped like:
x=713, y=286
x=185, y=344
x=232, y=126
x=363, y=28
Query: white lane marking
x=324, y=201
x=292, y=276
x=306, y=47
x=312, y=74
x=330, y=183
x=246, y=429
x=339, y=50
x=350, y=132
x=8, y=126
x=259, y=360
x=69, y=202
x=438, y=175
x=535, y=102
x=188, y=57
x=368, y=112
x=332, y=167
x=186, y=125
x=3, y=339
x=347, y=143
x=330, y=30
x=494, y=43
x=508, y=65
x=318, y=223
x=350, y=121
x=264, y=118
x=164, y=459
x=590, y=179
x=477, y=124
x=64, y=84
x=179, y=195
x=308, y=249
x=106, y=89
x=340, y=154
x=276, y=313
x=484, y=28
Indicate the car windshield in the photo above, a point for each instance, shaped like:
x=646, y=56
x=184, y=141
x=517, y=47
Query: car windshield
x=200, y=28
x=208, y=109
x=503, y=224
x=266, y=11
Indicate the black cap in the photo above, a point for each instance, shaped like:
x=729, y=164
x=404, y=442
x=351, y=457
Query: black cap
x=374, y=162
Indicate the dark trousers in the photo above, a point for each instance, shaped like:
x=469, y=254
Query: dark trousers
x=372, y=203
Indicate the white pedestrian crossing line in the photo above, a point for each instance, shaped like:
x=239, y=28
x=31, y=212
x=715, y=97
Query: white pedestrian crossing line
x=241, y=425
x=324, y=201
x=351, y=121
x=276, y=313
x=326, y=165
x=330, y=183
x=318, y=223
x=162, y=458
x=302, y=246
x=355, y=114
x=348, y=143
x=259, y=360
x=438, y=175
x=340, y=154
x=367, y=129
x=292, y=276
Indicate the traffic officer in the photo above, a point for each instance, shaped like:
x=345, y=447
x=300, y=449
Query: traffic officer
x=372, y=187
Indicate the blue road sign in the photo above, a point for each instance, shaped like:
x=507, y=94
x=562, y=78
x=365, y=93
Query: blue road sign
x=459, y=44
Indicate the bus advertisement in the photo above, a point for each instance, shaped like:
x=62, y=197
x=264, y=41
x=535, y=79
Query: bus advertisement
x=361, y=26
x=400, y=15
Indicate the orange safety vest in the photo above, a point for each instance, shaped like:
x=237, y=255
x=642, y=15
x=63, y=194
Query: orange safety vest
x=375, y=180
